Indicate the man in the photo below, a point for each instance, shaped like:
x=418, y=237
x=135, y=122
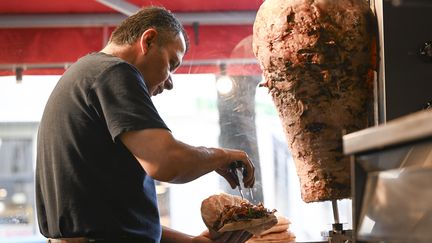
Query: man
x=101, y=141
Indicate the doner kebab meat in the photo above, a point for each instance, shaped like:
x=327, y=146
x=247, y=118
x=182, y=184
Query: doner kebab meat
x=317, y=58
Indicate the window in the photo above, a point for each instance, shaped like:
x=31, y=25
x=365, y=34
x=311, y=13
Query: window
x=198, y=113
x=17, y=215
x=21, y=106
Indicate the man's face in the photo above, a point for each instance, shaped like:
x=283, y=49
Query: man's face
x=161, y=61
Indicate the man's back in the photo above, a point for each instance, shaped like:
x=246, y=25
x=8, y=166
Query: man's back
x=87, y=182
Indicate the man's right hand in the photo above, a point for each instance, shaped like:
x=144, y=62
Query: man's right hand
x=248, y=168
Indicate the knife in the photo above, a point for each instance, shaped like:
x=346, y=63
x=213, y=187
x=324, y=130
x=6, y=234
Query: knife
x=233, y=166
x=244, y=173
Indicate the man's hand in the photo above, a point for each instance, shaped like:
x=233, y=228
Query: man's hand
x=248, y=168
x=169, y=236
x=238, y=236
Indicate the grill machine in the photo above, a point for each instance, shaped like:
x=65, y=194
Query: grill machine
x=391, y=163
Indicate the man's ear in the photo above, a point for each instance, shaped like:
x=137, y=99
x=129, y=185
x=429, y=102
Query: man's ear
x=148, y=37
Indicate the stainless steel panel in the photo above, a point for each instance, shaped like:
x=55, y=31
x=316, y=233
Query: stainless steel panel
x=396, y=203
x=397, y=206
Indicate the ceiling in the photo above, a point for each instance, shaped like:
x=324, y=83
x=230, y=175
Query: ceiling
x=46, y=36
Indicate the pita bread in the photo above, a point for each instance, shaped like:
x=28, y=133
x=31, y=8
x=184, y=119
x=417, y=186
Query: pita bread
x=212, y=207
x=255, y=226
x=275, y=229
x=282, y=225
x=281, y=237
x=282, y=219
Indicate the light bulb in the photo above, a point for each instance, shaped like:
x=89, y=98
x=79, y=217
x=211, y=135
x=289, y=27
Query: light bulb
x=224, y=84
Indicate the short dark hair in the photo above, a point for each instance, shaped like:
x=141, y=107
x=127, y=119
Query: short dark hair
x=158, y=18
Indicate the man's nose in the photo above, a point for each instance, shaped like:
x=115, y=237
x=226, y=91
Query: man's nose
x=168, y=84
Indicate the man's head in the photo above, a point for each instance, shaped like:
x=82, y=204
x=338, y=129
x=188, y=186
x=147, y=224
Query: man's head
x=161, y=41
x=158, y=18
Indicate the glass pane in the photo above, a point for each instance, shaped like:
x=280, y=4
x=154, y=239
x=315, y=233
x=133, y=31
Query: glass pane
x=16, y=187
x=21, y=106
x=199, y=112
x=193, y=110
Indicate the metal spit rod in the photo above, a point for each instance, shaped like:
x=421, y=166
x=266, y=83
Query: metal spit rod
x=335, y=211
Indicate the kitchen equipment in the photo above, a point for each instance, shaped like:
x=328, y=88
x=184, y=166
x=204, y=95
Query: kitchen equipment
x=392, y=180
x=391, y=162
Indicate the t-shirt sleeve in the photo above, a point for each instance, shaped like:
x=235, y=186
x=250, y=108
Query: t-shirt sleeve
x=122, y=101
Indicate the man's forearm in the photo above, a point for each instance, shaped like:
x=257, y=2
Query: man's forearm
x=173, y=236
x=189, y=162
x=166, y=159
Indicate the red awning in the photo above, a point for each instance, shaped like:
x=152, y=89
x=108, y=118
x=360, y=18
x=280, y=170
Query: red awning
x=48, y=47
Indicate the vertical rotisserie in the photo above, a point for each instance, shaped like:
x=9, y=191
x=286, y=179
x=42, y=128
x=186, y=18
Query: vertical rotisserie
x=317, y=57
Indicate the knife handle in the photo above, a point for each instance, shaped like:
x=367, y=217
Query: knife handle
x=233, y=166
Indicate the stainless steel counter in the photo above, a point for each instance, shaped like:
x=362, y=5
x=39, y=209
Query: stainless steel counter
x=412, y=127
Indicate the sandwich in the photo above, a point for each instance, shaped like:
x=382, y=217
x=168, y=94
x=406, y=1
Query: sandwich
x=225, y=212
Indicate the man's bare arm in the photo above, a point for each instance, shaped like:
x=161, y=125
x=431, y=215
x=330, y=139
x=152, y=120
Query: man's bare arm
x=166, y=159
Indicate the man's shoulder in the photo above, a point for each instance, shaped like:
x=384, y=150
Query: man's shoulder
x=88, y=68
x=99, y=60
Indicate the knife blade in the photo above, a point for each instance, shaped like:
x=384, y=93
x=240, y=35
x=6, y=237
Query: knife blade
x=234, y=166
x=244, y=173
